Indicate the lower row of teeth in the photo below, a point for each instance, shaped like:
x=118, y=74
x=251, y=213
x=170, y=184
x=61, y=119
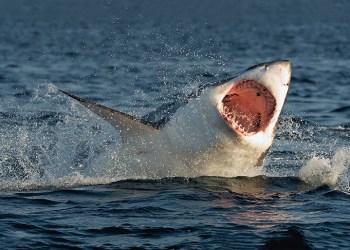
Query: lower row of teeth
x=232, y=117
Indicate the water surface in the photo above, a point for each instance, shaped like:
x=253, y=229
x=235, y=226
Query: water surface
x=60, y=180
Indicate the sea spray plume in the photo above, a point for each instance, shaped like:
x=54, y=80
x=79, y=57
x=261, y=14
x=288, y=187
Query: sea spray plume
x=223, y=129
x=328, y=171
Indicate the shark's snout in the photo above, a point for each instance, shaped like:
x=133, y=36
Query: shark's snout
x=285, y=64
x=282, y=70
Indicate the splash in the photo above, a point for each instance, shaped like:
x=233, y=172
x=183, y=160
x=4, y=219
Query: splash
x=52, y=141
x=334, y=171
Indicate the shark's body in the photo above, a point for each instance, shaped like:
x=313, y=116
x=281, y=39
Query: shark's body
x=222, y=129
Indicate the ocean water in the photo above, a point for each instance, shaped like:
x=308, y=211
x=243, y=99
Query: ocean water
x=61, y=185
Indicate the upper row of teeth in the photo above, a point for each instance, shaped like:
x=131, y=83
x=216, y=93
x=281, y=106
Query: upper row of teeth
x=270, y=101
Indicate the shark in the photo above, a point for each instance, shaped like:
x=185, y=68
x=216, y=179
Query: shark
x=224, y=128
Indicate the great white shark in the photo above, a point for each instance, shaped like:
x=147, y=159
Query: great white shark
x=222, y=129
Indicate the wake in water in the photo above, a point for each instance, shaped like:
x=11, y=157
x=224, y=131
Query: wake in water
x=55, y=142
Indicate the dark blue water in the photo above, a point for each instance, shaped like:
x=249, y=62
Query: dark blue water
x=61, y=184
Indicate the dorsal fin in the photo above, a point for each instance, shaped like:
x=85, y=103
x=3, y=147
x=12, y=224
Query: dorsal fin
x=129, y=126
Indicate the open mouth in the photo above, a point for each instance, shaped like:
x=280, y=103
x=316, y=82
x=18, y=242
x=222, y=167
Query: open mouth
x=248, y=107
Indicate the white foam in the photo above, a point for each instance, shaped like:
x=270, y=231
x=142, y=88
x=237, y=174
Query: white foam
x=333, y=171
x=53, y=141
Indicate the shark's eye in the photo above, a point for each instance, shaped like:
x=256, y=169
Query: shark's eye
x=266, y=67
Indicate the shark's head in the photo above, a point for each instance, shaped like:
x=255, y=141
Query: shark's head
x=251, y=102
